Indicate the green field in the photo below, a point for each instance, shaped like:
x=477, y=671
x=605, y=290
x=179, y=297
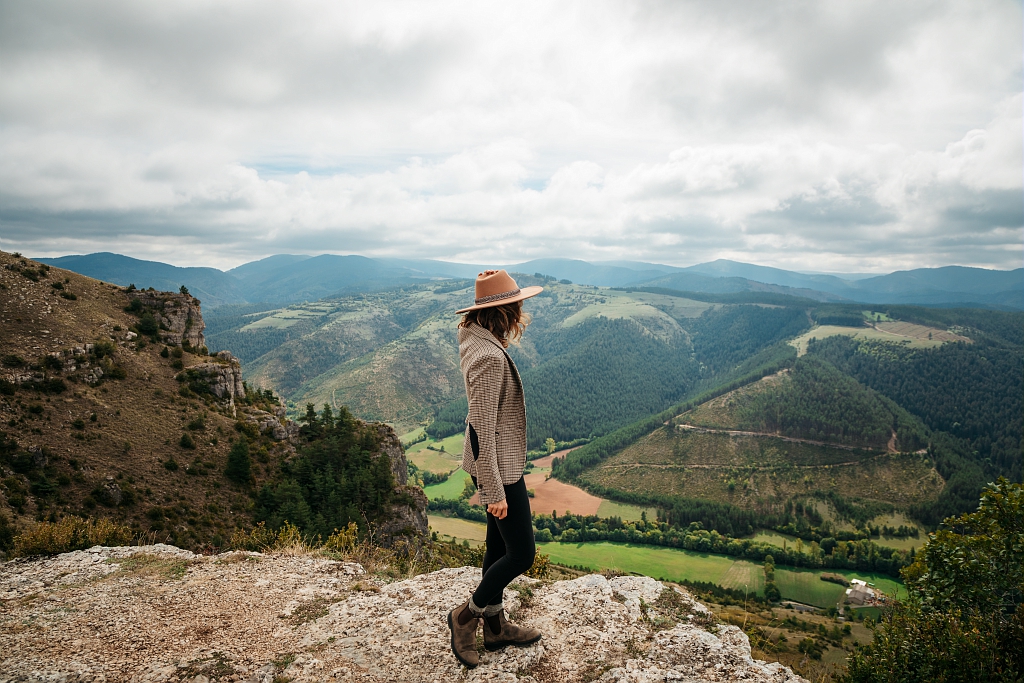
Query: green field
x=459, y=529
x=628, y=513
x=451, y=489
x=801, y=585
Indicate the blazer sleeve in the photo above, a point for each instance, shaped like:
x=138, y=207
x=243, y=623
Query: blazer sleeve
x=483, y=384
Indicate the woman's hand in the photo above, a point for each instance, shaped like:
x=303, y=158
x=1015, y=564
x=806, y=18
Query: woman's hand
x=499, y=509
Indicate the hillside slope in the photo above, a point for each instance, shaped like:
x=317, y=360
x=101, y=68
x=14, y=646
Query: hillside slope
x=810, y=430
x=592, y=360
x=112, y=408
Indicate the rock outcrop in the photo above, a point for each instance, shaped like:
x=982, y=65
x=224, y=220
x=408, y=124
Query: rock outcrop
x=179, y=316
x=157, y=613
x=223, y=379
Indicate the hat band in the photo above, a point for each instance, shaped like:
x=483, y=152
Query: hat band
x=497, y=297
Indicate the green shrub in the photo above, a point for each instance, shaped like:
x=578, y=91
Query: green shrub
x=148, y=325
x=135, y=306
x=171, y=465
x=166, y=353
x=186, y=441
x=68, y=534
x=6, y=534
x=79, y=423
x=70, y=296
x=197, y=425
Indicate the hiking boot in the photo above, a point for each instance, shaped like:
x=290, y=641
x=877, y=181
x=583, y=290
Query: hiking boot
x=499, y=632
x=464, y=636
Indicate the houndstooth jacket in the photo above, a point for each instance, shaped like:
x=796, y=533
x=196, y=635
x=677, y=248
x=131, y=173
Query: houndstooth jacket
x=495, y=446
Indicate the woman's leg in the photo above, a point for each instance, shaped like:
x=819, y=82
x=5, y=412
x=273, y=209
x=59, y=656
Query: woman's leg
x=494, y=549
x=516, y=532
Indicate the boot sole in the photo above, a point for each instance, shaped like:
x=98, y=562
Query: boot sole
x=451, y=628
x=491, y=647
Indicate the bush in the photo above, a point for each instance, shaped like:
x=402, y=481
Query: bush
x=186, y=441
x=166, y=353
x=68, y=534
x=6, y=534
x=148, y=325
x=171, y=465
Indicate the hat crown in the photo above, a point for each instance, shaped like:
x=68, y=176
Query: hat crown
x=492, y=283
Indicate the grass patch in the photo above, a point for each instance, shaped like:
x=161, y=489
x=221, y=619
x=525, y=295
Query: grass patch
x=311, y=610
x=153, y=565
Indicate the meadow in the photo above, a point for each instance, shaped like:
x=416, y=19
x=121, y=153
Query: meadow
x=919, y=339
x=427, y=455
x=451, y=488
x=671, y=564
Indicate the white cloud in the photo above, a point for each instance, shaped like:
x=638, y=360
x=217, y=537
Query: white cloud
x=860, y=136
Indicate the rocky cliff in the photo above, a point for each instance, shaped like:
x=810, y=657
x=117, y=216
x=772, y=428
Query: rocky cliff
x=157, y=613
x=179, y=317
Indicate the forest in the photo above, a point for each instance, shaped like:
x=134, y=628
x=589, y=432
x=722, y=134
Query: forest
x=819, y=402
x=337, y=478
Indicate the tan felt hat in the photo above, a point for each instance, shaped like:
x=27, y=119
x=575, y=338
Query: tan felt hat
x=496, y=287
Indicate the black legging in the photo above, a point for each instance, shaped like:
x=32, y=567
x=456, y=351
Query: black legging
x=510, y=546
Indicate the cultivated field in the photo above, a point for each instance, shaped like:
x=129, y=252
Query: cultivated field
x=753, y=472
x=459, y=529
x=553, y=495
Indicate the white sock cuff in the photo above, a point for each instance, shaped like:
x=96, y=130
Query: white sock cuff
x=493, y=610
x=476, y=611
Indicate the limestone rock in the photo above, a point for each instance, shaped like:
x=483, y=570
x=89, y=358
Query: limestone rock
x=179, y=315
x=157, y=613
x=406, y=520
x=223, y=379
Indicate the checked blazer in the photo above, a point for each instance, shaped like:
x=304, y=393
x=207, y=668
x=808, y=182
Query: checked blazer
x=495, y=446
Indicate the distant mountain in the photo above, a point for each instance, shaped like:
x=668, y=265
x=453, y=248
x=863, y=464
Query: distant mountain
x=213, y=287
x=600, y=274
x=256, y=269
x=289, y=278
x=928, y=286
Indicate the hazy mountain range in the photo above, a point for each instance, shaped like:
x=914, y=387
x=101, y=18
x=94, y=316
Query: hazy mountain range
x=287, y=278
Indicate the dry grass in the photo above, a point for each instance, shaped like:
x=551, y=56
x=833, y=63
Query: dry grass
x=139, y=419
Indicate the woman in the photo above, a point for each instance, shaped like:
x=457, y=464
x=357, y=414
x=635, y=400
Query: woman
x=495, y=455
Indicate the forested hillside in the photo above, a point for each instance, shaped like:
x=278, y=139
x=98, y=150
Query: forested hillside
x=864, y=422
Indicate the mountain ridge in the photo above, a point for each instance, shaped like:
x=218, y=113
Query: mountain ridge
x=290, y=278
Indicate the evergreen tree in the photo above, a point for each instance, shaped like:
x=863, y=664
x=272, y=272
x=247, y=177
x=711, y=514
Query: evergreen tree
x=239, y=468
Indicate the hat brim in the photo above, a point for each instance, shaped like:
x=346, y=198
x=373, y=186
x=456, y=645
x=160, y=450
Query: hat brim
x=524, y=293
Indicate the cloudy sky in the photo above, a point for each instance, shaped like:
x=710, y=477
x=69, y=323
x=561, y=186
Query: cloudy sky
x=827, y=136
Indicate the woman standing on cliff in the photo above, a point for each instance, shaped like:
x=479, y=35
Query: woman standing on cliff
x=495, y=455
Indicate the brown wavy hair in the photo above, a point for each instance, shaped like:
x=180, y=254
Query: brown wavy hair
x=506, y=322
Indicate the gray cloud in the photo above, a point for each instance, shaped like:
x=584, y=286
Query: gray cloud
x=859, y=136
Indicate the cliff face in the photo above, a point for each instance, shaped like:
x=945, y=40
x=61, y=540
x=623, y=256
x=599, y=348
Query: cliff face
x=158, y=613
x=178, y=315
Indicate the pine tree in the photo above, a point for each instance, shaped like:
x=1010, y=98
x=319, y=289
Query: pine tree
x=239, y=468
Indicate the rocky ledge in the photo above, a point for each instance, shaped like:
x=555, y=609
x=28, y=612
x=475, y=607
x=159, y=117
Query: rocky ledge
x=158, y=613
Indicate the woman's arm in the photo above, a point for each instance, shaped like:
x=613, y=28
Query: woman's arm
x=483, y=384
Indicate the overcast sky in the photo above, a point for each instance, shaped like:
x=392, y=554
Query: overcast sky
x=825, y=136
